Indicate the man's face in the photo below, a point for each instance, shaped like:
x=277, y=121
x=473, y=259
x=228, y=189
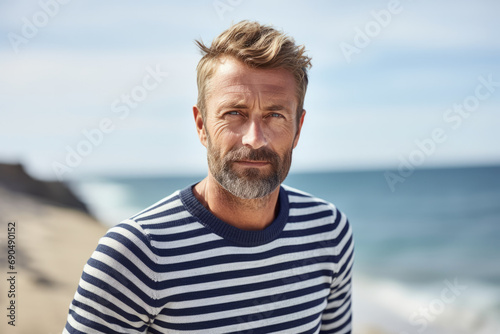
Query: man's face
x=250, y=127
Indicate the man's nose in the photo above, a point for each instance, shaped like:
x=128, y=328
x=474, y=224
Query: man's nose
x=254, y=136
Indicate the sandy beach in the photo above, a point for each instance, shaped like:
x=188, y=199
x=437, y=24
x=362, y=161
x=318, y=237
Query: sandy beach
x=52, y=245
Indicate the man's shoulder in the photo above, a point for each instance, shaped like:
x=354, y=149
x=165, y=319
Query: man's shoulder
x=307, y=211
x=297, y=197
x=166, y=209
x=167, y=216
x=301, y=202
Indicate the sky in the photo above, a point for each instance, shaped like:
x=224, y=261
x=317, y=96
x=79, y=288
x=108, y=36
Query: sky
x=107, y=87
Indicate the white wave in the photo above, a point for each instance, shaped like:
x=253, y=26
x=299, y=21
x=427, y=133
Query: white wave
x=394, y=307
x=110, y=202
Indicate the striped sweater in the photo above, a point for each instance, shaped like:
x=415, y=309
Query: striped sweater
x=176, y=268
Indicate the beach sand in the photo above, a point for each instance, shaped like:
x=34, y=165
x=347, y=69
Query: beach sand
x=52, y=246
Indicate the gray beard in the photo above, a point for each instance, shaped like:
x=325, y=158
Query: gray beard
x=252, y=183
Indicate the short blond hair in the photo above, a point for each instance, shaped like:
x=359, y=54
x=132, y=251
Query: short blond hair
x=257, y=46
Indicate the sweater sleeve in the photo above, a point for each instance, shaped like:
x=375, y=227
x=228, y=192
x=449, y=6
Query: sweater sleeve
x=117, y=290
x=337, y=316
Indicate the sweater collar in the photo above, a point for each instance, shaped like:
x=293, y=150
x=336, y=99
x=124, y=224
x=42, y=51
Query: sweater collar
x=231, y=233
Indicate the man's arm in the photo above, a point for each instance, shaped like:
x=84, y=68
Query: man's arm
x=116, y=293
x=337, y=316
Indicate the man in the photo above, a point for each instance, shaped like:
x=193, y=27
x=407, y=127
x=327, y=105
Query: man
x=236, y=252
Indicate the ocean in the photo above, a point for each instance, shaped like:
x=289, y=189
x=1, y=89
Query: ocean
x=427, y=249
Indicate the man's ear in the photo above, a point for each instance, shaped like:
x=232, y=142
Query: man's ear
x=200, y=126
x=297, y=135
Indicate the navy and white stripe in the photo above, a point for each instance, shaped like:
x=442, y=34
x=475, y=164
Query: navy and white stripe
x=176, y=268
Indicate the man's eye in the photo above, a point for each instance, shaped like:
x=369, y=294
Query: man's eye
x=233, y=112
x=275, y=115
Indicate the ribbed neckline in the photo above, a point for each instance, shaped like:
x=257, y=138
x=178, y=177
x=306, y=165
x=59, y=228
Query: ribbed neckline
x=231, y=233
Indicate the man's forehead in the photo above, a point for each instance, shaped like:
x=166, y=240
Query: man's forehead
x=243, y=95
x=231, y=100
x=237, y=87
x=232, y=72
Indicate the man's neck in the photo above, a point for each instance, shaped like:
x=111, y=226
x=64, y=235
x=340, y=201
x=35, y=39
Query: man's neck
x=245, y=214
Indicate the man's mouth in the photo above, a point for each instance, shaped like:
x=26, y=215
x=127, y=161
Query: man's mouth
x=253, y=163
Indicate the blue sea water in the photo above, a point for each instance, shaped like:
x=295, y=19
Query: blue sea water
x=437, y=227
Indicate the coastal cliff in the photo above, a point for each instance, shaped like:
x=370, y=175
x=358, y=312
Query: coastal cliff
x=14, y=178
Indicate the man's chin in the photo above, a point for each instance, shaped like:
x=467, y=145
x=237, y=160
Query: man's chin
x=252, y=173
x=250, y=184
x=251, y=190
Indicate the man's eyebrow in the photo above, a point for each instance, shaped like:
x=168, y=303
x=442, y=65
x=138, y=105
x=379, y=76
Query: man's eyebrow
x=275, y=107
x=233, y=105
x=243, y=105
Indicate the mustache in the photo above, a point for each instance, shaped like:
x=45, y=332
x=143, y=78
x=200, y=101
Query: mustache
x=260, y=154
